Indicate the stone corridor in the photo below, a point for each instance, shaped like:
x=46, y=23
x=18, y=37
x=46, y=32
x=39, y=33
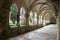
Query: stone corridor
x=48, y=32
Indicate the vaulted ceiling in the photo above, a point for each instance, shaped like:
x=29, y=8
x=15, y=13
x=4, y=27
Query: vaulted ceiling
x=39, y=5
x=36, y=5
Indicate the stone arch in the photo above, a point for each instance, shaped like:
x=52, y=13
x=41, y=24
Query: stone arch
x=44, y=6
x=47, y=18
x=52, y=20
x=43, y=14
x=47, y=7
x=22, y=16
x=13, y=14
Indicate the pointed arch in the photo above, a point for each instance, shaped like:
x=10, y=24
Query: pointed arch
x=22, y=17
x=13, y=15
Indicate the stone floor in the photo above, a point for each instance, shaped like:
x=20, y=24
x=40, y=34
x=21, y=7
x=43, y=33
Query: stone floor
x=46, y=33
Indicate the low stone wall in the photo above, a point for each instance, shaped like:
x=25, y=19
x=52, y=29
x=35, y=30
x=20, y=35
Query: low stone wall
x=15, y=31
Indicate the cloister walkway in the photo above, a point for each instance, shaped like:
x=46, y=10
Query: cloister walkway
x=48, y=32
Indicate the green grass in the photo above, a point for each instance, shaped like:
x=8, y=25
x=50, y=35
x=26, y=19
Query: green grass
x=12, y=24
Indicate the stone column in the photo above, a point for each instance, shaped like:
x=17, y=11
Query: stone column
x=27, y=20
x=5, y=17
x=5, y=13
x=37, y=20
x=58, y=23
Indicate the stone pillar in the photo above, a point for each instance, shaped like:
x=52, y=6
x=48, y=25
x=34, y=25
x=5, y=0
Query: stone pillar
x=58, y=23
x=5, y=13
x=5, y=17
x=45, y=20
x=27, y=20
x=37, y=20
x=42, y=21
